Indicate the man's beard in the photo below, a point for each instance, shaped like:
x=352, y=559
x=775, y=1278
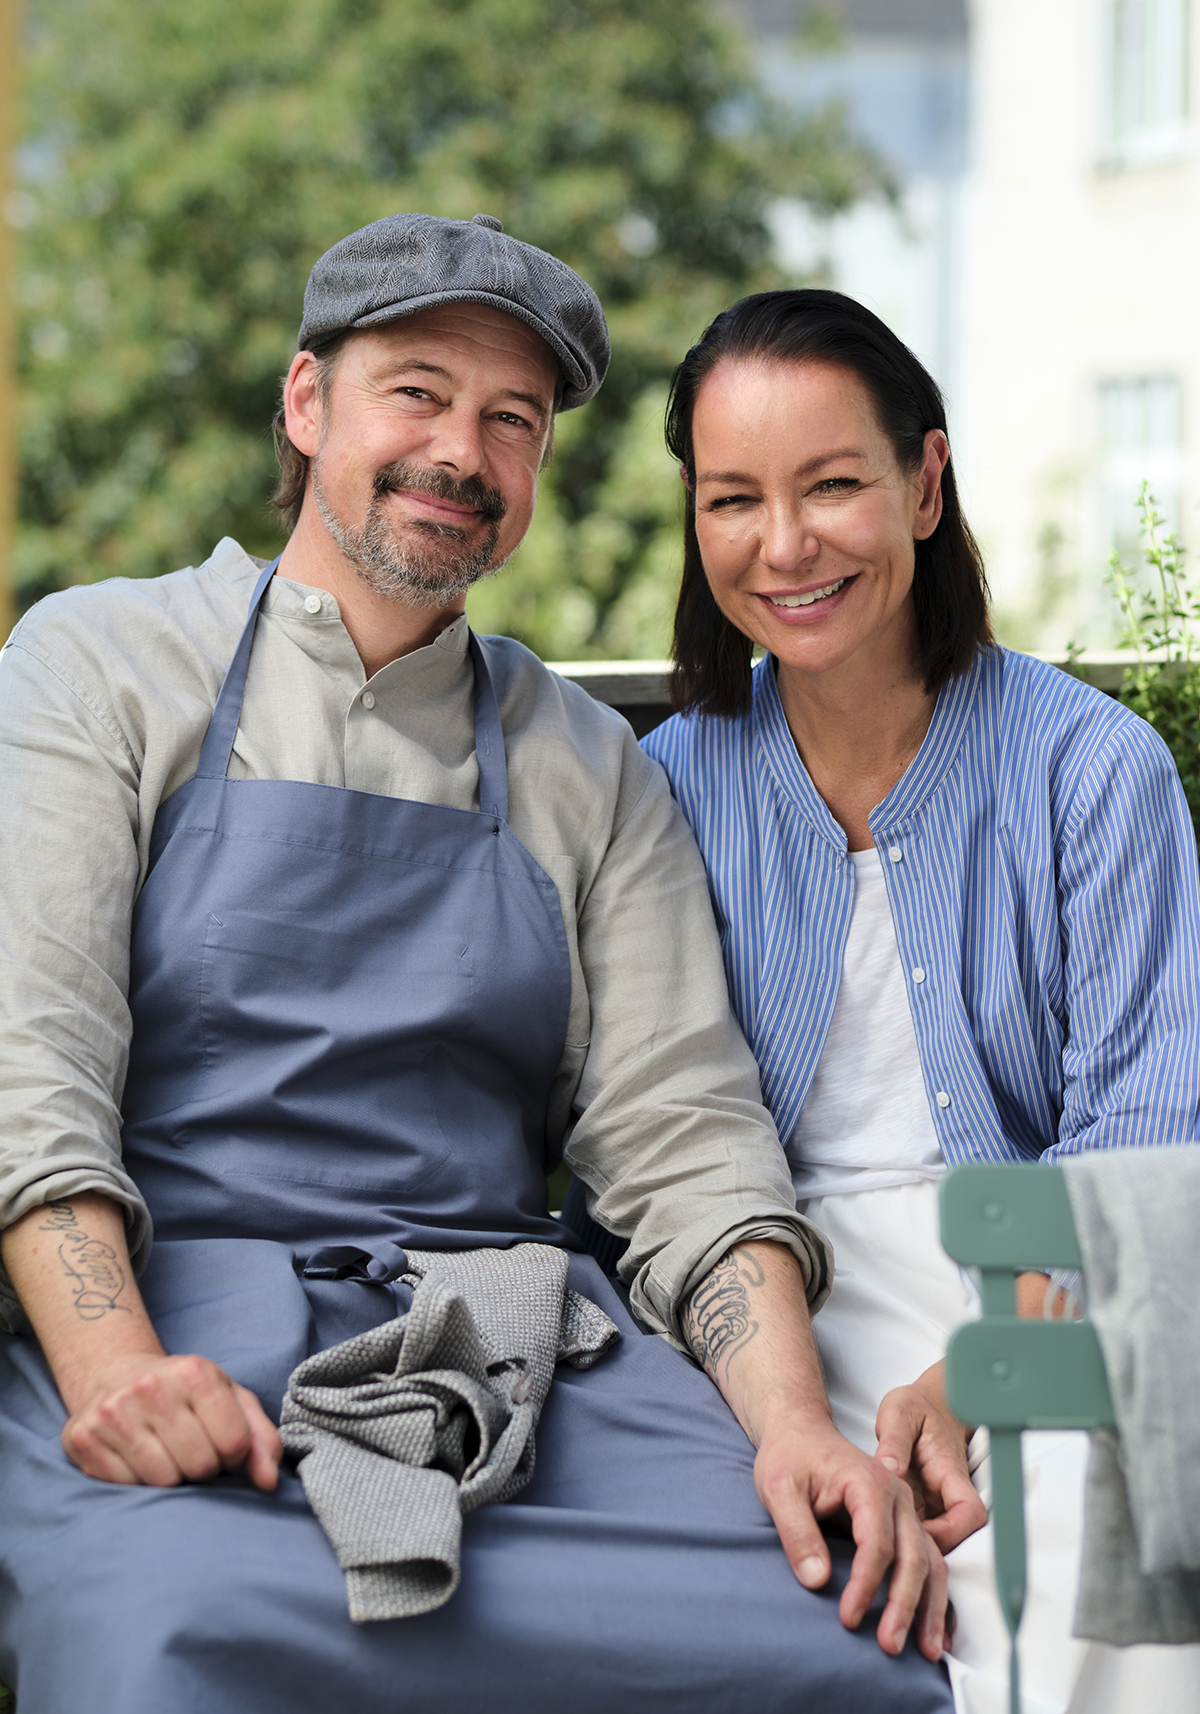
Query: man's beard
x=424, y=574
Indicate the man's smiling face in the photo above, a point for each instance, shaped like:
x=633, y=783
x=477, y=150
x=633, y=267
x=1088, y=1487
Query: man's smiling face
x=432, y=430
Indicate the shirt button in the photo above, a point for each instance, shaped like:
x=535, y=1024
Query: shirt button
x=918, y=974
x=943, y=1100
x=895, y=853
x=312, y=603
x=368, y=700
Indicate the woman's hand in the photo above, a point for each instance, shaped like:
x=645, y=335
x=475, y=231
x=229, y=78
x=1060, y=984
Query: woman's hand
x=161, y=1420
x=921, y=1441
x=808, y=1472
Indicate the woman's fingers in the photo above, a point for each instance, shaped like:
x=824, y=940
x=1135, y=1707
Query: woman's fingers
x=963, y=1511
x=898, y=1427
x=920, y=1439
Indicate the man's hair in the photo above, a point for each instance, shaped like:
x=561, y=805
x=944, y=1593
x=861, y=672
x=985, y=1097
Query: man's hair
x=288, y=497
x=293, y=464
x=950, y=594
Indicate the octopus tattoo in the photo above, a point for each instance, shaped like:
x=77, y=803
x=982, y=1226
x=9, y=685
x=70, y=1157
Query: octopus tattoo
x=719, y=1319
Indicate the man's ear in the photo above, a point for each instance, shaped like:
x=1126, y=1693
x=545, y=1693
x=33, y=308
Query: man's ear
x=302, y=403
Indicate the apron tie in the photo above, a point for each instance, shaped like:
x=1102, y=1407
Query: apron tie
x=385, y=1263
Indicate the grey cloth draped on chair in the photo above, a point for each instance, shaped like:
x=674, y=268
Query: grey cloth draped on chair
x=1137, y=1214
x=401, y=1430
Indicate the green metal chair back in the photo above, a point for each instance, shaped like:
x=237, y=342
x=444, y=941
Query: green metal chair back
x=1011, y=1374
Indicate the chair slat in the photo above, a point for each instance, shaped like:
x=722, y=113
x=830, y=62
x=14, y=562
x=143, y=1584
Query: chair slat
x=1015, y=1217
x=1028, y=1374
x=1012, y=1374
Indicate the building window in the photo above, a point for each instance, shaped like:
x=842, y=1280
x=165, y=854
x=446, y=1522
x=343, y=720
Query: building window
x=1147, y=80
x=1141, y=435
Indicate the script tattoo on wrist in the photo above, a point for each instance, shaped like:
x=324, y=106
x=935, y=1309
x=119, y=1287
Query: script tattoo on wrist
x=92, y=1266
x=719, y=1319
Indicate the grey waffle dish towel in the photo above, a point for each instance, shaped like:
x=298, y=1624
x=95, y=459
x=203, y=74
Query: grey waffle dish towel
x=1137, y=1214
x=403, y=1429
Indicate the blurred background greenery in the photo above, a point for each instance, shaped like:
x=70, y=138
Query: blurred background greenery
x=183, y=166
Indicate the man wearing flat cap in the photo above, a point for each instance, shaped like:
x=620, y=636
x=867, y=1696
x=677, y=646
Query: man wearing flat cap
x=327, y=925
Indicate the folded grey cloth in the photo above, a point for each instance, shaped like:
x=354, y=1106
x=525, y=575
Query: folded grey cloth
x=403, y=1429
x=1137, y=1214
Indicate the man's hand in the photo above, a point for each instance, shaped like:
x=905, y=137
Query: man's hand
x=805, y=1474
x=163, y=1420
x=135, y=1414
x=747, y=1322
x=922, y=1442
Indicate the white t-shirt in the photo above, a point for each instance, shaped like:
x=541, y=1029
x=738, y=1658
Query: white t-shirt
x=866, y=1121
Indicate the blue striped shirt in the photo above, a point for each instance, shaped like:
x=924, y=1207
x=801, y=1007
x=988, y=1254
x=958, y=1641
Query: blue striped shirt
x=1041, y=869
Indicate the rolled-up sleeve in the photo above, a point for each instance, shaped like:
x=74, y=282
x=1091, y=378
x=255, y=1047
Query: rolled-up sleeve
x=672, y=1140
x=669, y=1131
x=68, y=875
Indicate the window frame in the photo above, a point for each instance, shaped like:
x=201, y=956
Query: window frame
x=1164, y=134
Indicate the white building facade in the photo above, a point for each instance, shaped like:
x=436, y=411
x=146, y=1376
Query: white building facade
x=1080, y=361
x=899, y=70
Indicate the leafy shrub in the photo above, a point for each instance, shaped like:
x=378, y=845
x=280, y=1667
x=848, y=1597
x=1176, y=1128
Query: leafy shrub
x=184, y=165
x=1161, y=607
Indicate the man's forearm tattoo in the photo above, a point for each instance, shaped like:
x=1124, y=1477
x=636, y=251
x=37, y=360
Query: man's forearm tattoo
x=92, y=1266
x=719, y=1319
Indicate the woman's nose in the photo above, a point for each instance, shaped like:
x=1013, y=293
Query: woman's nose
x=789, y=540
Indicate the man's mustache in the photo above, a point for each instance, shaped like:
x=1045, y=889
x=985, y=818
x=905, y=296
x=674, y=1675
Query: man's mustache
x=420, y=479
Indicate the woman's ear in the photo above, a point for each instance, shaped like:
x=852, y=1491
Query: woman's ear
x=684, y=477
x=929, y=485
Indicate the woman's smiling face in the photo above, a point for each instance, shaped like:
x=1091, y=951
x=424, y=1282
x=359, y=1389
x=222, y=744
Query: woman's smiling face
x=806, y=522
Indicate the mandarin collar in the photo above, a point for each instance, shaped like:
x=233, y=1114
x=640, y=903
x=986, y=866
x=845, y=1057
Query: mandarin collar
x=923, y=777
x=320, y=632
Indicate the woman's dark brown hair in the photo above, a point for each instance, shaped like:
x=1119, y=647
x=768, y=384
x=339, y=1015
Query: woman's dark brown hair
x=950, y=594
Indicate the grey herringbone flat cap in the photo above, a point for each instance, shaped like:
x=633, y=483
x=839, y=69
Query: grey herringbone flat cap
x=410, y=262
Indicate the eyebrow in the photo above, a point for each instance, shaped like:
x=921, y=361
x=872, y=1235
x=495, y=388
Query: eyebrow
x=813, y=464
x=541, y=406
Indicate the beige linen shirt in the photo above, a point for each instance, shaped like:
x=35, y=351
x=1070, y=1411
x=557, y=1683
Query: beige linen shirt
x=105, y=696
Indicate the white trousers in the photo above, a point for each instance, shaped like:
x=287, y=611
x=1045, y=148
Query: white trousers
x=896, y=1298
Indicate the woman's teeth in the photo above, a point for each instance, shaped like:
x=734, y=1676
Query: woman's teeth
x=806, y=600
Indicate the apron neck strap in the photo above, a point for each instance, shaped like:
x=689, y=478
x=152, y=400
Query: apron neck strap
x=222, y=727
x=489, y=738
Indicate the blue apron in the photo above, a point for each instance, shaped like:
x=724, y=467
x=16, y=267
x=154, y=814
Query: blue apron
x=348, y=1011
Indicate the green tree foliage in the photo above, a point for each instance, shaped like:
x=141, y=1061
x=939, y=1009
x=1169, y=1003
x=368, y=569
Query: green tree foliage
x=1161, y=608
x=186, y=164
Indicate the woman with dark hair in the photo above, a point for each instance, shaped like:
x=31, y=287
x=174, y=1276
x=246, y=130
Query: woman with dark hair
x=957, y=893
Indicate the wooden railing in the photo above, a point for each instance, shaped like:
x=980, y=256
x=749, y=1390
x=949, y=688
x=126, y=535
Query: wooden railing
x=638, y=689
